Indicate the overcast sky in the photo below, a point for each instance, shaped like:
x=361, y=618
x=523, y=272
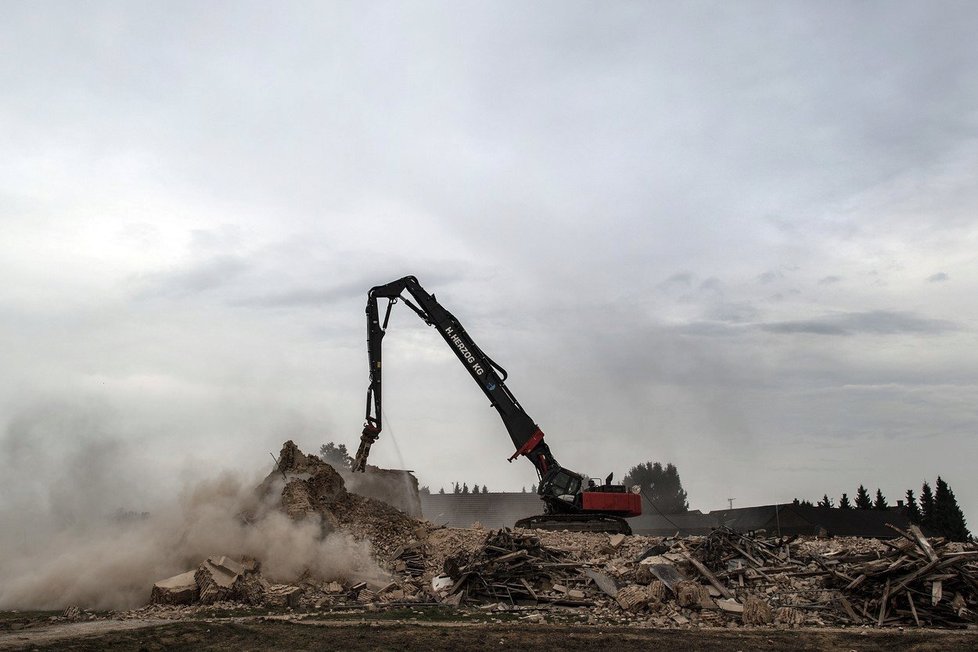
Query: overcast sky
x=740, y=237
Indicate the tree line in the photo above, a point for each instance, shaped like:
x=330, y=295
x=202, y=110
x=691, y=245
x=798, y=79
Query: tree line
x=937, y=510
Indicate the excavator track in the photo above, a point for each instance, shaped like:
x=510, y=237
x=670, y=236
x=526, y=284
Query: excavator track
x=576, y=523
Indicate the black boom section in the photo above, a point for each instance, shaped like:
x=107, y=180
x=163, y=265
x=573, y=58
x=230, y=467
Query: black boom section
x=490, y=377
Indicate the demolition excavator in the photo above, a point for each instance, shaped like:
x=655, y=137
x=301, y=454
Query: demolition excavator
x=571, y=501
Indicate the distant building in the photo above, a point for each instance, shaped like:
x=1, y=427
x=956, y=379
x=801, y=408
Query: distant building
x=503, y=509
x=788, y=518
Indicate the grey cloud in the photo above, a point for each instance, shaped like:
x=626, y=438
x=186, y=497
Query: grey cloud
x=768, y=277
x=302, y=297
x=937, y=278
x=879, y=322
x=829, y=280
x=200, y=277
x=712, y=284
x=682, y=279
x=734, y=311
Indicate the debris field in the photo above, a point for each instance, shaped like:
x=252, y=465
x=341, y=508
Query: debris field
x=725, y=579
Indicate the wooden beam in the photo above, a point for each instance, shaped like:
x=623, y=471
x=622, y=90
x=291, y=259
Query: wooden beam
x=923, y=543
x=913, y=609
x=710, y=577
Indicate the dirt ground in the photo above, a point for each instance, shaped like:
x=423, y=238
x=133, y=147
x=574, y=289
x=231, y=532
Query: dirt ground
x=274, y=633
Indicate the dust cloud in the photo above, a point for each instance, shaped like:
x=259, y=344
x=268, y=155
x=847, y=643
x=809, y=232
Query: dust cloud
x=86, y=519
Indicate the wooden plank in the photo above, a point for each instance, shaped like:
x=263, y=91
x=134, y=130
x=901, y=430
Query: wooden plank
x=848, y=608
x=914, y=575
x=886, y=598
x=936, y=592
x=923, y=543
x=745, y=554
x=710, y=577
x=856, y=582
x=913, y=609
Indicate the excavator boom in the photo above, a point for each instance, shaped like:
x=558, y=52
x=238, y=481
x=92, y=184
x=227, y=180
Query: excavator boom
x=560, y=488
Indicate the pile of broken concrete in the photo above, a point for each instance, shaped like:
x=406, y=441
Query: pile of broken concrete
x=222, y=579
x=308, y=488
x=725, y=579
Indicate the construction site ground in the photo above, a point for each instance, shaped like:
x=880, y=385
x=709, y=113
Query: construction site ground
x=411, y=584
x=433, y=628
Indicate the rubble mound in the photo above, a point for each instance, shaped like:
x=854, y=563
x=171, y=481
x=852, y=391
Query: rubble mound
x=313, y=488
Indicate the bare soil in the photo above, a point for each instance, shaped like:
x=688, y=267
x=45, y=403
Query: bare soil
x=276, y=633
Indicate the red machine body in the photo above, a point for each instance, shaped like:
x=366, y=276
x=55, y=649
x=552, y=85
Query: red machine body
x=618, y=503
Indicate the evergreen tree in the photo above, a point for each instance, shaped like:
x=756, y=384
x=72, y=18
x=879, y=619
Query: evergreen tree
x=456, y=489
x=880, y=502
x=913, y=512
x=863, y=501
x=424, y=491
x=807, y=503
x=442, y=491
x=926, y=505
x=661, y=484
x=524, y=489
x=485, y=489
x=948, y=517
x=465, y=488
x=825, y=502
x=533, y=489
x=844, y=502
x=335, y=455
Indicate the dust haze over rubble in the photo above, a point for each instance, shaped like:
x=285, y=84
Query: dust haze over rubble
x=85, y=519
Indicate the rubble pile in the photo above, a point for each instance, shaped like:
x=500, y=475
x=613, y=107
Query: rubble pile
x=723, y=579
x=512, y=567
x=217, y=579
x=314, y=488
x=910, y=580
x=307, y=488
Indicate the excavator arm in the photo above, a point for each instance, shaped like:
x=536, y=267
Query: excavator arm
x=490, y=377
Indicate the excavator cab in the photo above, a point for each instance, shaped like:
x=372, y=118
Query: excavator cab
x=561, y=482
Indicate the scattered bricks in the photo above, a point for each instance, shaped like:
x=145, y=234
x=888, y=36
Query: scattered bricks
x=334, y=588
x=658, y=591
x=396, y=595
x=72, y=612
x=688, y=594
x=214, y=581
x=179, y=589
x=366, y=596
x=730, y=605
x=633, y=597
x=643, y=575
x=691, y=594
x=616, y=540
x=283, y=595
x=250, y=588
x=756, y=611
x=789, y=616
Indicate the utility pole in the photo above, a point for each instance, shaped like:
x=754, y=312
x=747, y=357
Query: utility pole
x=730, y=502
